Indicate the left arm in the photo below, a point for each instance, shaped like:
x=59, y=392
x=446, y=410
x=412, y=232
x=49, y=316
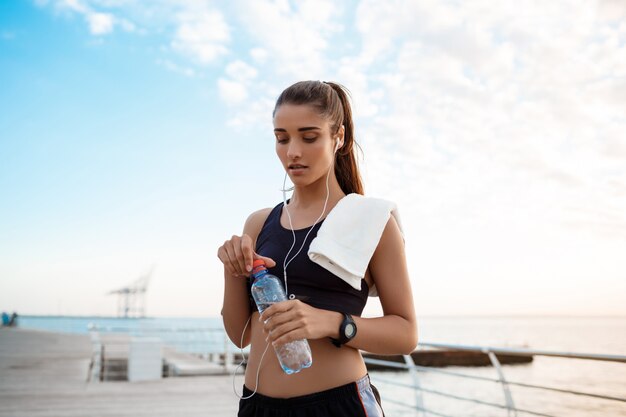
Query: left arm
x=394, y=333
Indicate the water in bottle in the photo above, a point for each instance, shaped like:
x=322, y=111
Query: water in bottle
x=267, y=290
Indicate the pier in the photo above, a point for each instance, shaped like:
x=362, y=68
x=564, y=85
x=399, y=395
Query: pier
x=44, y=374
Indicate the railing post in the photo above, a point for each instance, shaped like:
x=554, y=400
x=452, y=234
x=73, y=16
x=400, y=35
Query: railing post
x=227, y=356
x=94, y=363
x=102, y=363
x=419, y=399
x=510, y=405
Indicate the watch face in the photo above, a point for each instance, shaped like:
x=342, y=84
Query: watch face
x=350, y=330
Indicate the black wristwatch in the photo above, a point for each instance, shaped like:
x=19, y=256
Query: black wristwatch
x=347, y=331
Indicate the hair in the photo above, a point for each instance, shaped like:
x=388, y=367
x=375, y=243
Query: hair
x=331, y=101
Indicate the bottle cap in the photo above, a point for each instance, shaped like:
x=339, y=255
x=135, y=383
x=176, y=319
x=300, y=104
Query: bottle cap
x=258, y=262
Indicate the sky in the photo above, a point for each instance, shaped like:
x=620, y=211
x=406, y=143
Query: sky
x=139, y=134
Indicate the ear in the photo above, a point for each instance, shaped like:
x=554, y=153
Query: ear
x=340, y=136
x=341, y=132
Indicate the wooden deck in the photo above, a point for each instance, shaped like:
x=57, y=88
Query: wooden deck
x=44, y=374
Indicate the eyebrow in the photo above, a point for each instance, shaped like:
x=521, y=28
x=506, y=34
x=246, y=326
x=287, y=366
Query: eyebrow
x=300, y=129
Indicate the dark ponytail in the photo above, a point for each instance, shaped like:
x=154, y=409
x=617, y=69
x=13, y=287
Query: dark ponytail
x=331, y=100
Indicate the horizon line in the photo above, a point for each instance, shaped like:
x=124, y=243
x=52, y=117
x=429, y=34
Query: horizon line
x=495, y=315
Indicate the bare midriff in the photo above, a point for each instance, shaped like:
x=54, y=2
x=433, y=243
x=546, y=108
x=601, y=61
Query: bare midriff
x=332, y=367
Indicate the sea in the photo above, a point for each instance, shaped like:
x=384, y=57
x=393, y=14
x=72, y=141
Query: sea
x=452, y=393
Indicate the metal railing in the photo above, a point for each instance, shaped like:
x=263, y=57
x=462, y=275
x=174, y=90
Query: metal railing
x=110, y=344
x=491, y=352
x=213, y=344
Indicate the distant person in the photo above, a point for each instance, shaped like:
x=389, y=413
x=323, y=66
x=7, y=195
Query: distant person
x=315, y=143
x=13, y=320
x=9, y=321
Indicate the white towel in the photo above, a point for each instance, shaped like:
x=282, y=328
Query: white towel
x=349, y=236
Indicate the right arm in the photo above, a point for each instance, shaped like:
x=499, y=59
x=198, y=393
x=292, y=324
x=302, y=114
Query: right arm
x=236, y=254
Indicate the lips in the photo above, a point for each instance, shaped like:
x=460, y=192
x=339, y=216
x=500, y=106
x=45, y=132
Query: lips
x=297, y=169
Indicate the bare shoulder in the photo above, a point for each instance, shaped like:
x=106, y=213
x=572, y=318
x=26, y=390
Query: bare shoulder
x=392, y=235
x=254, y=222
x=390, y=245
x=389, y=270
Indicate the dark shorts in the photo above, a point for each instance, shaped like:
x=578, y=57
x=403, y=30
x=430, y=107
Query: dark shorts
x=356, y=399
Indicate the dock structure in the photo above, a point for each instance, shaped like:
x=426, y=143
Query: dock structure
x=44, y=374
x=131, y=300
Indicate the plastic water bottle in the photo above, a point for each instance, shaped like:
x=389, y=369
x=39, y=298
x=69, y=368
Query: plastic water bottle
x=267, y=290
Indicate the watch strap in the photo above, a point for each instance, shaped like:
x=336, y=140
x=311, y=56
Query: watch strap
x=343, y=338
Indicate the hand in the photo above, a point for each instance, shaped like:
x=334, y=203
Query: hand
x=294, y=320
x=237, y=255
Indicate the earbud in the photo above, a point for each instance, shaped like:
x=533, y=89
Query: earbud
x=337, y=145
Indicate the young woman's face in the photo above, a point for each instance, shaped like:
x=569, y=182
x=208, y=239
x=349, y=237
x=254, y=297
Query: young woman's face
x=304, y=143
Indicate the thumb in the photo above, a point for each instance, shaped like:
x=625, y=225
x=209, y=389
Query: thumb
x=268, y=261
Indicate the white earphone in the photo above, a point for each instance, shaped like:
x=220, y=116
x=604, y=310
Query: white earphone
x=285, y=264
x=338, y=144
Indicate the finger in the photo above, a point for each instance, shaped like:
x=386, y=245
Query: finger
x=276, y=308
x=239, y=261
x=294, y=318
x=222, y=253
x=269, y=262
x=223, y=257
x=246, y=248
x=279, y=331
x=270, y=325
x=290, y=336
x=232, y=257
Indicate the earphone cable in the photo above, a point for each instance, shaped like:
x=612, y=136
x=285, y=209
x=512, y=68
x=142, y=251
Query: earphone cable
x=286, y=263
x=244, y=361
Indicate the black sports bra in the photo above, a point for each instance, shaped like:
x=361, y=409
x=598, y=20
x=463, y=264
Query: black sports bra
x=306, y=280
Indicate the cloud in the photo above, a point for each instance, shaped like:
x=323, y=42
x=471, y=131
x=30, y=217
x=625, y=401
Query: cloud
x=231, y=92
x=234, y=88
x=470, y=97
x=488, y=110
x=75, y=5
x=100, y=23
x=295, y=35
x=288, y=42
x=498, y=129
x=260, y=55
x=186, y=71
x=201, y=35
x=475, y=108
x=196, y=31
x=240, y=70
x=611, y=10
x=615, y=145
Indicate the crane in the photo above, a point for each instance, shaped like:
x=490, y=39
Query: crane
x=131, y=300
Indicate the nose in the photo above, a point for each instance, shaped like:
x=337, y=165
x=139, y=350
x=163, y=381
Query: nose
x=294, y=151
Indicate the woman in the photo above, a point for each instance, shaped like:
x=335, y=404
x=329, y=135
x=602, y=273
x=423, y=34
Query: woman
x=316, y=146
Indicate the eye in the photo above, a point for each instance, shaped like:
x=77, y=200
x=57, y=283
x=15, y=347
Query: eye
x=311, y=139
x=281, y=140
